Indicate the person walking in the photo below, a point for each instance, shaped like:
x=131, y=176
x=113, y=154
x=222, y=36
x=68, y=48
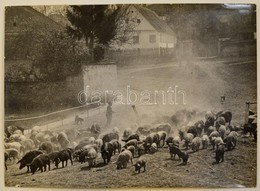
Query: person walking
x=109, y=113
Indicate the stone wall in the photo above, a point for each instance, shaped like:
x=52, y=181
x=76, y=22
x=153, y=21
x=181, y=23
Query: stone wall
x=36, y=96
x=22, y=97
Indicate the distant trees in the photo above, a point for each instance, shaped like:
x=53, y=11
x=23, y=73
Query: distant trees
x=197, y=23
x=200, y=21
x=51, y=9
x=190, y=21
x=98, y=25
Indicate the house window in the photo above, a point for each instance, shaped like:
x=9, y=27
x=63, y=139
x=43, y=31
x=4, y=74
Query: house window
x=138, y=21
x=135, y=39
x=152, y=38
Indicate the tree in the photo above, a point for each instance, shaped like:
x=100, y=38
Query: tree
x=56, y=56
x=51, y=9
x=193, y=22
x=96, y=24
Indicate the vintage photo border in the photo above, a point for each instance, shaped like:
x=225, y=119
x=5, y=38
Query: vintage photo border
x=4, y=3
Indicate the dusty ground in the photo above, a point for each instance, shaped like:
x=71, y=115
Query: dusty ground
x=204, y=82
x=161, y=172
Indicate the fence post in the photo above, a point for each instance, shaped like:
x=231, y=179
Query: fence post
x=247, y=112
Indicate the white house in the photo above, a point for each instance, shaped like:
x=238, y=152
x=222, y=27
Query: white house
x=150, y=31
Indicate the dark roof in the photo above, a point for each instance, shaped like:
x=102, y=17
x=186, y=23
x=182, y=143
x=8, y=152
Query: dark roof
x=159, y=24
x=27, y=16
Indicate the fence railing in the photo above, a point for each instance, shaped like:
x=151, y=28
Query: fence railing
x=58, y=118
x=139, y=52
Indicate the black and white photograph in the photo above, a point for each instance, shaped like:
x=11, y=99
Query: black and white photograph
x=129, y=95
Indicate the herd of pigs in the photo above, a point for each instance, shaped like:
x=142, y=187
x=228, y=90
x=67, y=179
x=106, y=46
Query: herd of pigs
x=38, y=149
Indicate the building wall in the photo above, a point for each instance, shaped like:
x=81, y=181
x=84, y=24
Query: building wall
x=144, y=41
x=144, y=25
x=167, y=41
x=143, y=30
x=161, y=40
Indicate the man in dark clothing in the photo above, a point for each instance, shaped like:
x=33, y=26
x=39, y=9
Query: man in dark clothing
x=109, y=113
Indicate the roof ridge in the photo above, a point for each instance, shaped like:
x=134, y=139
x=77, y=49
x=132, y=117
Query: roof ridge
x=155, y=14
x=41, y=14
x=159, y=24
